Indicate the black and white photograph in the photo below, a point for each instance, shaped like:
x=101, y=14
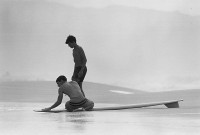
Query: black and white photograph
x=99, y=67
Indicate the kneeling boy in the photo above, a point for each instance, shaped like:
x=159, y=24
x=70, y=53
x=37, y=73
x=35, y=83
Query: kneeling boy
x=72, y=89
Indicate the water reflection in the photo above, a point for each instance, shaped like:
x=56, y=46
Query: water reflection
x=71, y=121
x=79, y=120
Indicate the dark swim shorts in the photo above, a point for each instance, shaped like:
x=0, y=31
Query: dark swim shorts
x=86, y=104
x=75, y=74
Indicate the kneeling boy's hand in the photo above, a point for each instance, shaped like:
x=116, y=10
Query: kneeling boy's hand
x=46, y=109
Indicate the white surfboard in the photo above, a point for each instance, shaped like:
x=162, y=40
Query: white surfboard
x=168, y=104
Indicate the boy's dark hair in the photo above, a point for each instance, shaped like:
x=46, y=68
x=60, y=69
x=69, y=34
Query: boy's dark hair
x=70, y=39
x=61, y=77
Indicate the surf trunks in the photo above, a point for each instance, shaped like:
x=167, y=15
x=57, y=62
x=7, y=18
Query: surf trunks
x=85, y=103
x=75, y=76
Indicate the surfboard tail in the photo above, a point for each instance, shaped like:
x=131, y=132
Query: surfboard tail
x=173, y=104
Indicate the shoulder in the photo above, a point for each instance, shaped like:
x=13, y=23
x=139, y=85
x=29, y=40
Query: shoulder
x=74, y=83
x=79, y=48
x=60, y=90
x=63, y=87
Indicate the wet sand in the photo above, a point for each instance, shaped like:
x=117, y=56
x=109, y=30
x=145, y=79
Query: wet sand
x=19, y=119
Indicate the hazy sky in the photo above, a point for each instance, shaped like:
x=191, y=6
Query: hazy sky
x=184, y=6
x=144, y=44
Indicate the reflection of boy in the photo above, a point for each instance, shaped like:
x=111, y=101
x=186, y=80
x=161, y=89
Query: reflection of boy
x=80, y=60
x=72, y=89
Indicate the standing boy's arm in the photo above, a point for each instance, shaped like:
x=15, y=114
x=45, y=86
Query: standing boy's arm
x=83, y=59
x=57, y=103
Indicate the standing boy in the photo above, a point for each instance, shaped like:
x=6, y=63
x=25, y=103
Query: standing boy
x=80, y=60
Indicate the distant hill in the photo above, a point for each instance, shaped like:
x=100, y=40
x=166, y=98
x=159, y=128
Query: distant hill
x=46, y=91
x=99, y=93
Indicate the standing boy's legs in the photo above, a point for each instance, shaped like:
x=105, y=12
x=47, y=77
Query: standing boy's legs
x=80, y=79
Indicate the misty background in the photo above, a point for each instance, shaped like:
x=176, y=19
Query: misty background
x=148, y=46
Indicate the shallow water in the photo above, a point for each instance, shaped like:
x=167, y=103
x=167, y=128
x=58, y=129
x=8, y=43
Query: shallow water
x=20, y=119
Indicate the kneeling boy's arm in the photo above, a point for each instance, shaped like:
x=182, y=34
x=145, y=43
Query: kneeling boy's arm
x=59, y=100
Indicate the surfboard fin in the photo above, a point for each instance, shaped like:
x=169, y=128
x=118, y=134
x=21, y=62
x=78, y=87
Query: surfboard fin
x=173, y=104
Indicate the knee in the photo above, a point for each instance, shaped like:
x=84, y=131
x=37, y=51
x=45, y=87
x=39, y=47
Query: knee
x=89, y=106
x=68, y=107
x=92, y=104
